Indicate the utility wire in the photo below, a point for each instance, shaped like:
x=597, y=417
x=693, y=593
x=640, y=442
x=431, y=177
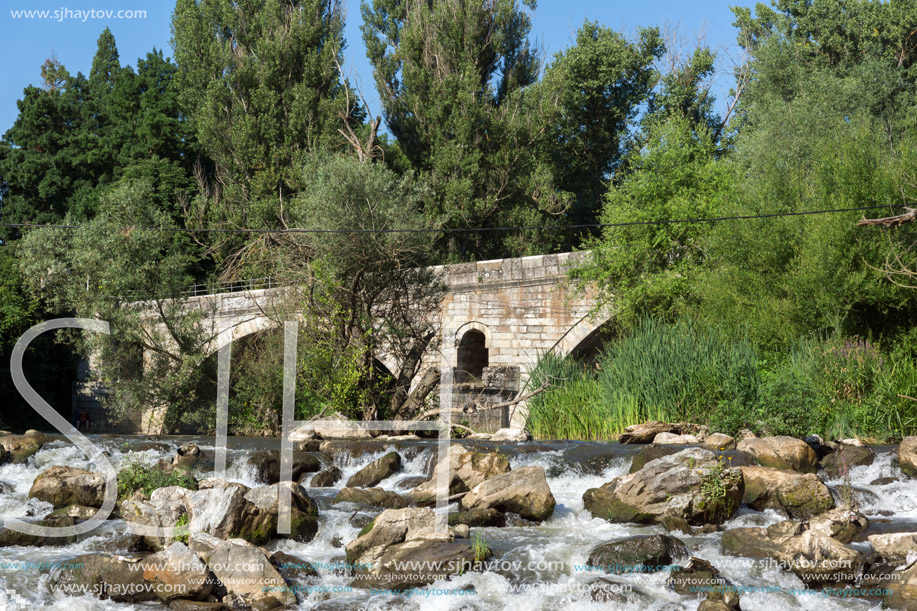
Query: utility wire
x=475, y=229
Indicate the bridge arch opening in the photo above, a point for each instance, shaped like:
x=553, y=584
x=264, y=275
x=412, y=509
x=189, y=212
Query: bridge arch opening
x=473, y=356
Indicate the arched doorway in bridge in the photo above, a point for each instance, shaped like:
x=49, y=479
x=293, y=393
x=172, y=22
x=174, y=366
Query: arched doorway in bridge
x=473, y=356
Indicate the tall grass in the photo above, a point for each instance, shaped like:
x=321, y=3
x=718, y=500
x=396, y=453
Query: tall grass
x=836, y=387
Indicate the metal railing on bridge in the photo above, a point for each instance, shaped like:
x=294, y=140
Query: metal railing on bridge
x=235, y=286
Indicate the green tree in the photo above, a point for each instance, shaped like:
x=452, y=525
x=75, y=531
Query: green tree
x=261, y=82
x=598, y=85
x=452, y=76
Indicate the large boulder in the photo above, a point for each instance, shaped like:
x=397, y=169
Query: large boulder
x=477, y=517
x=699, y=576
x=267, y=465
x=719, y=442
x=901, y=588
x=781, y=453
x=372, y=496
x=648, y=453
x=466, y=470
x=326, y=478
x=11, y=538
x=846, y=458
x=799, y=495
x=523, y=491
x=894, y=546
x=676, y=485
x=245, y=571
x=514, y=435
x=640, y=554
x=21, y=447
x=376, y=471
x=645, y=433
x=756, y=542
x=842, y=523
x=261, y=514
x=63, y=486
x=164, y=509
x=400, y=549
x=673, y=439
x=820, y=561
x=117, y=578
x=907, y=456
x=178, y=573
x=326, y=429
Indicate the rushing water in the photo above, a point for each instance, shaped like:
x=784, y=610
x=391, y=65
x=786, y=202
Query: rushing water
x=535, y=567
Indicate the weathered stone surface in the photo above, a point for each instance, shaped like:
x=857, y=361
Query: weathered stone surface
x=668, y=485
x=292, y=567
x=907, y=456
x=388, y=528
x=700, y=575
x=902, y=589
x=648, y=453
x=178, y=573
x=820, y=561
x=645, y=433
x=477, y=517
x=372, y=496
x=751, y=542
x=79, y=512
x=523, y=491
x=376, y=471
x=616, y=593
x=799, y=495
x=842, y=524
x=187, y=457
x=894, y=546
x=719, y=441
x=326, y=429
x=63, y=486
x=195, y=605
x=675, y=440
x=244, y=570
x=261, y=514
x=9, y=538
x=639, y=554
x=116, y=577
x=326, y=478
x=514, y=435
x=781, y=452
x=267, y=465
x=466, y=470
x=20, y=447
x=165, y=507
x=852, y=456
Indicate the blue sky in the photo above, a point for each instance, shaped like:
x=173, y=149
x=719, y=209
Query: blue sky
x=26, y=42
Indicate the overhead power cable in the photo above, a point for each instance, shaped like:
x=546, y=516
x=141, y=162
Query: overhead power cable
x=470, y=229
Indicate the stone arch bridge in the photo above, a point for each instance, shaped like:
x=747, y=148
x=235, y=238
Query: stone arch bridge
x=495, y=319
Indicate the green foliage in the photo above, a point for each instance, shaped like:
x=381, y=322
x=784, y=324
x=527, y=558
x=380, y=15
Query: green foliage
x=184, y=534
x=479, y=546
x=136, y=476
x=715, y=484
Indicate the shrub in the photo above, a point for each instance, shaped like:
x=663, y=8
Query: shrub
x=137, y=476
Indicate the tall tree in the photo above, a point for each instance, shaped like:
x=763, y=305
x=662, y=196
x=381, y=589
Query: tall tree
x=261, y=81
x=452, y=76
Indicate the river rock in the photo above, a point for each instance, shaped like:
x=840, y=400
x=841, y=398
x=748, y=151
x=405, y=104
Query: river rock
x=261, y=514
x=820, y=561
x=466, y=470
x=245, y=571
x=79, y=512
x=894, y=546
x=514, y=435
x=756, y=542
x=10, y=538
x=376, y=471
x=700, y=575
x=645, y=433
x=64, y=486
x=326, y=478
x=267, y=465
x=719, y=442
x=477, y=517
x=853, y=456
x=673, y=439
x=292, y=567
x=325, y=429
x=902, y=589
x=20, y=447
x=648, y=453
x=799, y=495
x=372, y=496
x=639, y=554
x=522, y=491
x=187, y=457
x=667, y=485
x=842, y=524
x=164, y=509
x=178, y=573
x=907, y=456
x=104, y=575
x=781, y=453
